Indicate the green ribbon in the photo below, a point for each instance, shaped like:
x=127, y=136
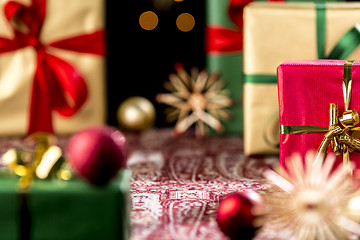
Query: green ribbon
x=344, y=47
x=347, y=44
x=320, y=29
x=258, y=78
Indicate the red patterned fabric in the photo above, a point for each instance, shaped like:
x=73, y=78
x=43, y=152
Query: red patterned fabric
x=178, y=183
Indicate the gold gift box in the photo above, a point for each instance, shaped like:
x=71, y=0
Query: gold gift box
x=64, y=19
x=275, y=33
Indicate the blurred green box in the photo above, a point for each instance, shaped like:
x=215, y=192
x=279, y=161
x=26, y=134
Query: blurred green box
x=64, y=210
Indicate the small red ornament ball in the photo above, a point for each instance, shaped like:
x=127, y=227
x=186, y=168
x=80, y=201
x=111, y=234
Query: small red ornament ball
x=97, y=153
x=235, y=216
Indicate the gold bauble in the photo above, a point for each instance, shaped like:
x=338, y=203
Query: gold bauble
x=136, y=114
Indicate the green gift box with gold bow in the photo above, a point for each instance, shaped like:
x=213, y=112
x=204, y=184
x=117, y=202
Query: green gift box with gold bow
x=58, y=209
x=277, y=32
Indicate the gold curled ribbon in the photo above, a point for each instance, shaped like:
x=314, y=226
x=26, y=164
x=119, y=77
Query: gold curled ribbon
x=340, y=138
x=42, y=161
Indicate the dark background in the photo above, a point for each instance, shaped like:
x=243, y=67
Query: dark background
x=139, y=61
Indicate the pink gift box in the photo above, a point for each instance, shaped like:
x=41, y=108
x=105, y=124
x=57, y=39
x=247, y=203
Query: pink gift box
x=306, y=89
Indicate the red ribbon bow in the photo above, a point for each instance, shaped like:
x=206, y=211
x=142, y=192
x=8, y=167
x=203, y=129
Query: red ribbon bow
x=57, y=85
x=221, y=39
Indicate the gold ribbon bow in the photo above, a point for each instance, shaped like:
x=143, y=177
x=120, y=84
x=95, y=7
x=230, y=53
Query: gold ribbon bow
x=340, y=138
x=42, y=161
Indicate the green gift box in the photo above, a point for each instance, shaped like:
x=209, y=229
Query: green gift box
x=63, y=210
x=224, y=55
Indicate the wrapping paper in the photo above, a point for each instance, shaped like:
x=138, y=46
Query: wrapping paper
x=274, y=33
x=62, y=20
x=66, y=210
x=225, y=56
x=306, y=89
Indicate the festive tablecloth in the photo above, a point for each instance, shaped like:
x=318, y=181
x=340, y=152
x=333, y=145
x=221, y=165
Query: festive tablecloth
x=177, y=183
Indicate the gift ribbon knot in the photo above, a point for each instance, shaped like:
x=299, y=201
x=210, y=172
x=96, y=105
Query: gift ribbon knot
x=57, y=85
x=340, y=138
x=41, y=158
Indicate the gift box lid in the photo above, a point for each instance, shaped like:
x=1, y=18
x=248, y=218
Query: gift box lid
x=275, y=32
x=307, y=87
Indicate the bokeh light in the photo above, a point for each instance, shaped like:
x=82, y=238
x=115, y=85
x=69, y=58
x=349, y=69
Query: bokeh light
x=163, y=5
x=185, y=22
x=148, y=20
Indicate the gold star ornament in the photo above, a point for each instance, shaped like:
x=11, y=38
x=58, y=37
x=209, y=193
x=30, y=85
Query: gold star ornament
x=197, y=99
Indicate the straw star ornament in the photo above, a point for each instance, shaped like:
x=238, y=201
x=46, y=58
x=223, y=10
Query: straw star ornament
x=197, y=99
x=318, y=202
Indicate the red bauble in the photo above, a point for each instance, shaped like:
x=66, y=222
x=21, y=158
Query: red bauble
x=236, y=217
x=97, y=153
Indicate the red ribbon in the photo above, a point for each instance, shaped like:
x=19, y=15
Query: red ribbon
x=225, y=40
x=57, y=85
x=222, y=40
